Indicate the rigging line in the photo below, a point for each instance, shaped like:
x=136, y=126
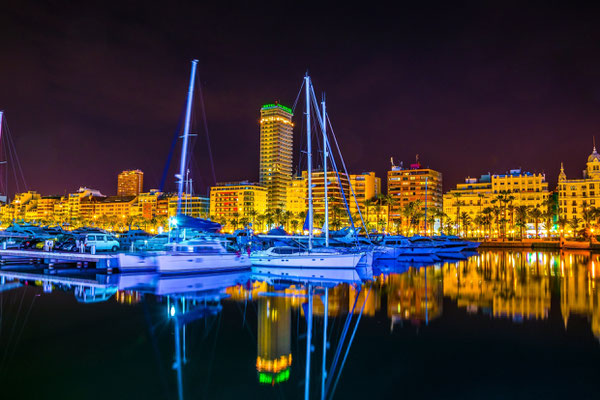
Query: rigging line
x=334, y=165
x=212, y=355
x=11, y=160
x=210, y=155
x=18, y=339
x=153, y=340
x=339, y=374
x=18, y=162
x=341, y=343
x=163, y=180
x=12, y=331
x=346, y=170
x=298, y=96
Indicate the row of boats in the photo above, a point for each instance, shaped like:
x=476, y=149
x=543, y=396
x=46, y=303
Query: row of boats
x=211, y=253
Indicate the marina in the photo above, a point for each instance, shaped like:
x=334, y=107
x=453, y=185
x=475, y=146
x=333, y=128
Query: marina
x=212, y=200
x=528, y=311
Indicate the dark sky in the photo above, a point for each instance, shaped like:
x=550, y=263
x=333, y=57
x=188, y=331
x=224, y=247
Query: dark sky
x=89, y=89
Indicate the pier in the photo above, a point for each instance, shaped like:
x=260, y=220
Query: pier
x=50, y=258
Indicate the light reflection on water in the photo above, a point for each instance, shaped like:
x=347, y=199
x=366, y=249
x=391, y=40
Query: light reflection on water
x=265, y=315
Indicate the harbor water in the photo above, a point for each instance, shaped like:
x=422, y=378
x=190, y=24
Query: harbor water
x=498, y=324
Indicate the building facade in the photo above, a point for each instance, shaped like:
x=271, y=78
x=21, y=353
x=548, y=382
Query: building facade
x=276, y=142
x=130, y=183
x=338, y=193
x=577, y=196
x=297, y=195
x=416, y=185
x=505, y=191
x=231, y=200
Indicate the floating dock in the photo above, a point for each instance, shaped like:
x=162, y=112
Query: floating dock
x=50, y=258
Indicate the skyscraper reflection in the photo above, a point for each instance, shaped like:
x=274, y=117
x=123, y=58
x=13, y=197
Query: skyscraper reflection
x=274, y=357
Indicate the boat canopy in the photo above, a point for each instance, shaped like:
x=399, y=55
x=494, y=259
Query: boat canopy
x=185, y=221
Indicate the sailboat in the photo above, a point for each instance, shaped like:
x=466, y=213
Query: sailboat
x=199, y=254
x=309, y=257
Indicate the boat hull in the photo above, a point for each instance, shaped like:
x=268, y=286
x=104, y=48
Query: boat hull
x=197, y=263
x=303, y=260
x=137, y=262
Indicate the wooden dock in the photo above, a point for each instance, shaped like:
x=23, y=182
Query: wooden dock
x=60, y=257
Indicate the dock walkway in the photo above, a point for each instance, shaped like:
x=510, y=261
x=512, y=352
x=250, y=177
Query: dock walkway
x=56, y=257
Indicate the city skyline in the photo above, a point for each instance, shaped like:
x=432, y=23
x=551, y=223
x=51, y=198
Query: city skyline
x=452, y=87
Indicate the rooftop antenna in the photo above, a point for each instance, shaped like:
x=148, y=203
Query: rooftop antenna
x=392, y=161
x=417, y=158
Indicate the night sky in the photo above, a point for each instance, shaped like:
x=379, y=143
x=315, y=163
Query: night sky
x=91, y=89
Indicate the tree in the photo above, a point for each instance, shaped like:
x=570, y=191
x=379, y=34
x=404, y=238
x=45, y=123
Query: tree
x=457, y=203
x=536, y=214
x=466, y=222
x=522, y=212
x=562, y=223
x=235, y=220
x=574, y=224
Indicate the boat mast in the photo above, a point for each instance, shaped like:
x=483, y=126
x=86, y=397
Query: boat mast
x=186, y=136
x=325, y=177
x=307, y=85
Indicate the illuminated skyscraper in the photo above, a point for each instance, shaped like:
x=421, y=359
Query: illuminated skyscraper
x=130, y=183
x=276, y=152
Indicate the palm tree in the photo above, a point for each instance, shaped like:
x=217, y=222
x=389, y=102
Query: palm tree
x=522, y=212
x=252, y=214
x=536, y=214
x=390, y=202
x=497, y=211
x=574, y=224
x=368, y=204
x=295, y=224
x=457, y=204
x=547, y=217
x=466, y=222
x=588, y=215
x=562, y=223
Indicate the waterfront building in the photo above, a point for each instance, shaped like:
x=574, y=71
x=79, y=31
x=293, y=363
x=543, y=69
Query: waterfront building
x=118, y=207
x=577, y=196
x=45, y=208
x=276, y=142
x=471, y=197
x=231, y=201
x=191, y=205
x=147, y=204
x=337, y=191
x=416, y=188
x=365, y=186
x=74, y=210
x=297, y=195
x=130, y=183
x=507, y=191
x=367, y=197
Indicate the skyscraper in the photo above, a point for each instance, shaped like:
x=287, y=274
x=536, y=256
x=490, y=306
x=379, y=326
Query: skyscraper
x=130, y=183
x=276, y=152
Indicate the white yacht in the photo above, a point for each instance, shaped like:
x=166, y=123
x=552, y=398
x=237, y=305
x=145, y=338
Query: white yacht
x=392, y=247
x=289, y=256
x=199, y=255
x=309, y=257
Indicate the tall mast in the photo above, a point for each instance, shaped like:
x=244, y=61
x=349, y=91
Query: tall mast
x=186, y=136
x=325, y=154
x=307, y=85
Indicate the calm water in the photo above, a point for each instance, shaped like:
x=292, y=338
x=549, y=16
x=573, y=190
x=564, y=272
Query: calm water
x=497, y=325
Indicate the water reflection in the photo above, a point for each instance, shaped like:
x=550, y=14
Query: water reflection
x=305, y=322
